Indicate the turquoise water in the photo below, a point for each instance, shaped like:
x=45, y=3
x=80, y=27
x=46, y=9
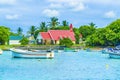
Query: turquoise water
x=80, y=65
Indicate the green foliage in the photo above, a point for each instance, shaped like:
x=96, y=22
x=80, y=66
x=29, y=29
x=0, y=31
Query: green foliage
x=24, y=41
x=115, y=26
x=77, y=34
x=4, y=34
x=43, y=27
x=102, y=36
x=65, y=23
x=19, y=31
x=54, y=23
x=66, y=42
x=14, y=34
x=32, y=30
x=36, y=33
x=62, y=28
x=87, y=30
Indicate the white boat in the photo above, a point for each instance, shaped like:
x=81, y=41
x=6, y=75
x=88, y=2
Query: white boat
x=1, y=51
x=113, y=53
x=18, y=53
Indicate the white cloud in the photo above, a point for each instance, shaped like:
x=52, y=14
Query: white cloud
x=51, y=13
x=12, y=17
x=77, y=6
x=71, y=4
x=110, y=14
x=7, y=1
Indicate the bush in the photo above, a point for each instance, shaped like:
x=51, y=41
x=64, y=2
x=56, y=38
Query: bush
x=66, y=42
x=24, y=41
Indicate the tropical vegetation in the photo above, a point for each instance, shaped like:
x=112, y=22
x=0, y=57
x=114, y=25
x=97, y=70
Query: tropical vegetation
x=91, y=34
x=4, y=34
x=24, y=41
x=66, y=42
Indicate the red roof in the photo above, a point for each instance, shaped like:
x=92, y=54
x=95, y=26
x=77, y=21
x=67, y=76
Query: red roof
x=57, y=34
x=45, y=35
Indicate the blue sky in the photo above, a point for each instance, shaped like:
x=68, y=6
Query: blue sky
x=25, y=13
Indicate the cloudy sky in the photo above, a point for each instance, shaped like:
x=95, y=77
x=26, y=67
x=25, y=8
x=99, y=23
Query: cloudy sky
x=24, y=13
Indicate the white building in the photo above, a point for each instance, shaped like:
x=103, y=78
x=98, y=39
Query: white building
x=15, y=40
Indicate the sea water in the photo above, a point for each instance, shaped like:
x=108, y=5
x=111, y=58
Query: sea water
x=80, y=65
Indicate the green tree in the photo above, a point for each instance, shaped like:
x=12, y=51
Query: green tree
x=54, y=23
x=77, y=35
x=32, y=30
x=62, y=28
x=102, y=36
x=66, y=42
x=86, y=30
x=4, y=34
x=43, y=27
x=92, y=24
x=19, y=31
x=65, y=23
x=24, y=41
x=115, y=27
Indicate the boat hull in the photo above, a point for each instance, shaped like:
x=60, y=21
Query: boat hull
x=116, y=56
x=29, y=54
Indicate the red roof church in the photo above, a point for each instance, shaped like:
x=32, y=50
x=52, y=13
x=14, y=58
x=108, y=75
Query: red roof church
x=53, y=36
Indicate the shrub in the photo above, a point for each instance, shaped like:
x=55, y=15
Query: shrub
x=66, y=42
x=24, y=41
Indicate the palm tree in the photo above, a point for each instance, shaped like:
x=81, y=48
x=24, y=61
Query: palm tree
x=32, y=30
x=92, y=24
x=43, y=27
x=54, y=22
x=19, y=31
x=65, y=23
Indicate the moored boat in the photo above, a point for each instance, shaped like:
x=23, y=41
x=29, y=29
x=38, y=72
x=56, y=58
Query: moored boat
x=18, y=53
x=114, y=53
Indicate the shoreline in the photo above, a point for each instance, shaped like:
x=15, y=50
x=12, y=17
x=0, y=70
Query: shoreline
x=46, y=47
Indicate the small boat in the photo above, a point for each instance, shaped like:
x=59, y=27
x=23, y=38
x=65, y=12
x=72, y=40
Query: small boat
x=1, y=51
x=113, y=53
x=69, y=50
x=18, y=53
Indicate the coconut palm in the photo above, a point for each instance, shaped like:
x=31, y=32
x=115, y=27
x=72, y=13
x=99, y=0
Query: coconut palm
x=32, y=30
x=43, y=27
x=65, y=23
x=54, y=22
x=19, y=31
x=92, y=24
